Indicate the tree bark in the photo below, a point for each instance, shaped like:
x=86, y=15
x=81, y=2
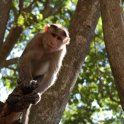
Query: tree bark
x=113, y=28
x=8, y=45
x=53, y=102
x=4, y=16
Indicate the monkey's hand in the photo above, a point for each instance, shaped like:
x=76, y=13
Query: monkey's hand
x=32, y=85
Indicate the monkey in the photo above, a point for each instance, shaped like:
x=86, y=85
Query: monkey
x=42, y=58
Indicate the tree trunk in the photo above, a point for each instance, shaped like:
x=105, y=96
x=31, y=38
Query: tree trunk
x=113, y=28
x=53, y=102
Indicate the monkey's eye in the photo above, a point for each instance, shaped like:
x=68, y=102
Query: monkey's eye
x=53, y=34
x=59, y=38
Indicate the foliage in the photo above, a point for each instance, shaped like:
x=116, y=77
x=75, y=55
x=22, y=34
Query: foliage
x=94, y=98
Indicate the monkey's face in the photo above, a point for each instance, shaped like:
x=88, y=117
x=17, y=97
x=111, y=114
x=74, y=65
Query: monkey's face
x=55, y=39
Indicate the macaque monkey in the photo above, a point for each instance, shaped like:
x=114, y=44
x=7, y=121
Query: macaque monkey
x=42, y=58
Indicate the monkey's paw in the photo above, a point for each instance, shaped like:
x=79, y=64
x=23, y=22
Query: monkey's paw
x=33, y=98
x=32, y=85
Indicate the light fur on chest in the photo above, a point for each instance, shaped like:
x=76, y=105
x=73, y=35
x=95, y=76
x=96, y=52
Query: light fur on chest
x=42, y=69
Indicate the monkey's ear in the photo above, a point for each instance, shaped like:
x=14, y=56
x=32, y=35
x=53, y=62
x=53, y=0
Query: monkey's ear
x=67, y=40
x=46, y=28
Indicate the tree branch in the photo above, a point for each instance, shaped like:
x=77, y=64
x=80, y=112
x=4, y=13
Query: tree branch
x=4, y=16
x=11, y=39
x=29, y=8
x=12, y=61
x=50, y=11
x=16, y=103
x=20, y=6
x=113, y=28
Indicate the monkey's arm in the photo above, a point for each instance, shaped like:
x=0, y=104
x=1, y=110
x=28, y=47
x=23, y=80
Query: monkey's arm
x=25, y=63
x=51, y=74
x=25, y=74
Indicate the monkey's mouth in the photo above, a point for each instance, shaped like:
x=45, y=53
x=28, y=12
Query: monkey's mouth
x=51, y=46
